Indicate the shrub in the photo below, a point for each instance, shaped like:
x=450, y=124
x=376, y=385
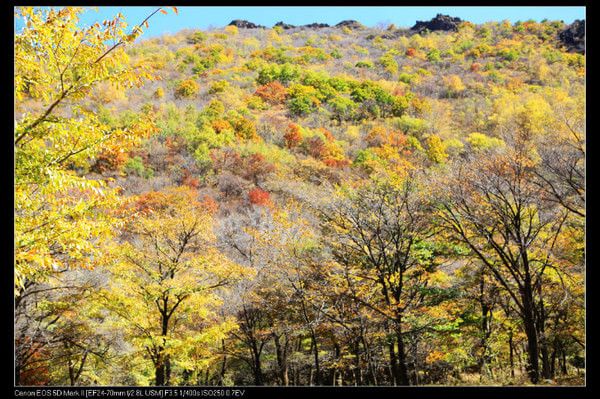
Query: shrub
x=231, y=30
x=159, y=93
x=481, y=141
x=187, y=88
x=364, y=64
x=111, y=159
x=135, y=166
x=436, y=150
x=256, y=168
x=259, y=197
x=283, y=73
x=293, y=136
x=244, y=128
x=272, y=92
x=434, y=55
x=196, y=37
x=218, y=87
x=303, y=99
x=230, y=185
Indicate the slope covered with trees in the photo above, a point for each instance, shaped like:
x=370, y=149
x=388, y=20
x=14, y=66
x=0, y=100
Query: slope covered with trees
x=306, y=205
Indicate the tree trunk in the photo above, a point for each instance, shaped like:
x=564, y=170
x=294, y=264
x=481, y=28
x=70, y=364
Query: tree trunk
x=402, y=369
x=533, y=368
x=223, y=365
x=393, y=364
x=282, y=359
x=511, y=354
x=159, y=371
x=313, y=338
x=258, y=377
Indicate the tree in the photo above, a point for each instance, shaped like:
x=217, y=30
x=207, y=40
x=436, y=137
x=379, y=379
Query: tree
x=380, y=231
x=494, y=207
x=165, y=282
x=60, y=216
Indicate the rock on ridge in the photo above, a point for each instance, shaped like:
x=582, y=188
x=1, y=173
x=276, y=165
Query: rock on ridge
x=440, y=22
x=574, y=36
x=284, y=25
x=243, y=24
x=351, y=24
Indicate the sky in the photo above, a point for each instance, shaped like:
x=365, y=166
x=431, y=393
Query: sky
x=206, y=17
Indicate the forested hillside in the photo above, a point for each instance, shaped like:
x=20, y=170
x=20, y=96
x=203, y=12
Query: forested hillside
x=312, y=205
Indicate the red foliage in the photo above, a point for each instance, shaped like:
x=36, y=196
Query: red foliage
x=256, y=168
x=189, y=180
x=411, y=52
x=292, y=136
x=316, y=147
x=272, y=93
x=259, y=197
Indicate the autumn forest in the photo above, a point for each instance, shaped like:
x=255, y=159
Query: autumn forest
x=298, y=205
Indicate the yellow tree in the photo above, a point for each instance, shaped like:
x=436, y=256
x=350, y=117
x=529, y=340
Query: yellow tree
x=166, y=280
x=59, y=215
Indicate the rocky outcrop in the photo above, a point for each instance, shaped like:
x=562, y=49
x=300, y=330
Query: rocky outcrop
x=351, y=24
x=573, y=36
x=440, y=22
x=284, y=25
x=243, y=24
x=315, y=25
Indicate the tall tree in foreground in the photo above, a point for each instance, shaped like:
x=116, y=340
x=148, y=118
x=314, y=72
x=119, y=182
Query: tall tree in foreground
x=166, y=281
x=380, y=231
x=60, y=216
x=494, y=206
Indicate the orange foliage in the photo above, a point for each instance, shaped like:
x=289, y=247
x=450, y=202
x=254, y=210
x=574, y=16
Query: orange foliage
x=111, y=159
x=163, y=200
x=272, y=93
x=210, y=204
x=475, y=67
x=326, y=133
x=221, y=125
x=292, y=136
x=411, y=52
x=336, y=163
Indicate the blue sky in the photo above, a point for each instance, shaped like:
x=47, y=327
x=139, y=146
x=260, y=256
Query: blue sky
x=205, y=17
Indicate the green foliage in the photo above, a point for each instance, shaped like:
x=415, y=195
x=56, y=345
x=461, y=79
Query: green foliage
x=136, y=167
x=364, y=64
x=285, y=73
x=434, y=55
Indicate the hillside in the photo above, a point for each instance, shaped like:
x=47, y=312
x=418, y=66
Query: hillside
x=301, y=205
